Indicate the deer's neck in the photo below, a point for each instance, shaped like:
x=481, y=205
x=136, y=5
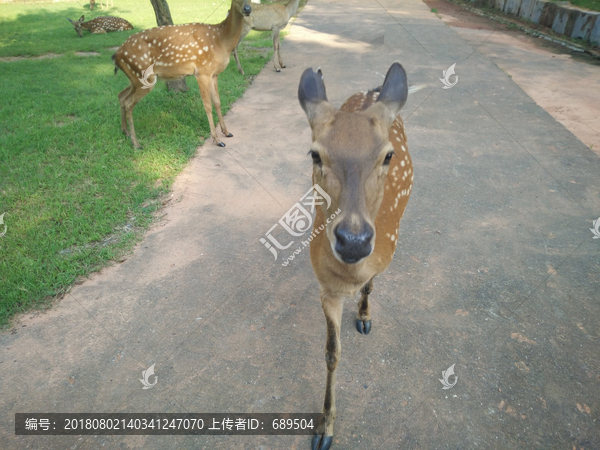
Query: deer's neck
x=232, y=28
x=87, y=25
x=291, y=7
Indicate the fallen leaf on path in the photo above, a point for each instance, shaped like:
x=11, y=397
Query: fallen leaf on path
x=519, y=337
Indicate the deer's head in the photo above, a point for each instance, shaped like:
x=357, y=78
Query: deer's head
x=243, y=6
x=77, y=25
x=351, y=153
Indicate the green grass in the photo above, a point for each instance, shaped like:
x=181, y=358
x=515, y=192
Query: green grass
x=74, y=192
x=594, y=5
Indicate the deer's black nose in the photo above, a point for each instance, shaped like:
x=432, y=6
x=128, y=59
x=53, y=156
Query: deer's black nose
x=247, y=10
x=353, y=247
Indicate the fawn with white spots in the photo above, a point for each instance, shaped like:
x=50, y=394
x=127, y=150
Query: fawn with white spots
x=360, y=158
x=100, y=25
x=268, y=17
x=174, y=52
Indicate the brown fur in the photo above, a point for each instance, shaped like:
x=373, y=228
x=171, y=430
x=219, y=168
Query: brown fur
x=353, y=144
x=101, y=25
x=336, y=275
x=175, y=52
x=268, y=17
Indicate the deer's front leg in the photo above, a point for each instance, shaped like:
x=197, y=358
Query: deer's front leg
x=332, y=307
x=276, y=54
x=214, y=94
x=245, y=30
x=363, y=320
x=205, y=87
x=237, y=60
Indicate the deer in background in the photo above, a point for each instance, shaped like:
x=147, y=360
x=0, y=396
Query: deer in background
x=100, y=25
x=268, y=17
x=360, y=158
x=174, y=52
x=93, y=3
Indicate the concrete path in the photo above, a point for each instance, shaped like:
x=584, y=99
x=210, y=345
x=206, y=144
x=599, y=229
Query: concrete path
x=563, y=82
x=497, y=272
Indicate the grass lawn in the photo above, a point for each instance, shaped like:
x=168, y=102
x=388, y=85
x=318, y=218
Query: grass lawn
x=74, y=192
x=594, y=5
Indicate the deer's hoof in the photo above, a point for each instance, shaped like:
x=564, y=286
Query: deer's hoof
x=363, y=326
x=321, y=442
x=277, y=70
x=221, y=144
x=283, y=66
x=229, y=135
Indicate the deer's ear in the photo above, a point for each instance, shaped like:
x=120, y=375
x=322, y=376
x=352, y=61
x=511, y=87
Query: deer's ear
x=82, y=18
x=69, y=20
x=312, y=96
x=393, y=93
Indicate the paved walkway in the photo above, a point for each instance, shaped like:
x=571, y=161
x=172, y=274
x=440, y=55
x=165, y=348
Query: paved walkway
x=496, y=272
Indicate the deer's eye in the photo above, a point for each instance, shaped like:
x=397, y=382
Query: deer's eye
x=315, y=157
x=388, y=158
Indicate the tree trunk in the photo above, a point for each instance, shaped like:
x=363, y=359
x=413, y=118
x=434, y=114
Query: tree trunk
x=163, y=17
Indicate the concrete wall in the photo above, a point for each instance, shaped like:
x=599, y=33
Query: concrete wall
x=558, y=16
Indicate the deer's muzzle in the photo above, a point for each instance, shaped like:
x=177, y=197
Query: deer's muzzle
x=352, y=247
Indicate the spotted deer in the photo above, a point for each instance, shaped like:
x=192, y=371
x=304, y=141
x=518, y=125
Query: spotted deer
x=100, y=25
x=173, y=52
x=360, y=158
x=93, y=3
x=268, y=17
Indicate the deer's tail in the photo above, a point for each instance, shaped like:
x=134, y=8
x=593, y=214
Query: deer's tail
x=114, y=58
